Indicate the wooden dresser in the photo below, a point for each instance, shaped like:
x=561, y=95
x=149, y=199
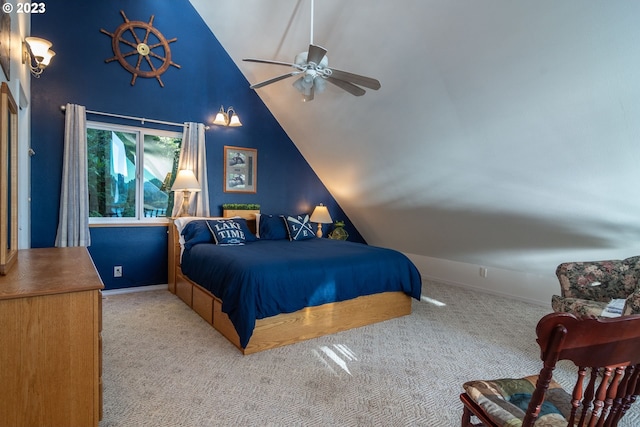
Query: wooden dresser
x=50, y=342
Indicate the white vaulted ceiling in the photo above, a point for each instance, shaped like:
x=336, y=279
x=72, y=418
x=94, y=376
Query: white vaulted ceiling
x=505, y=134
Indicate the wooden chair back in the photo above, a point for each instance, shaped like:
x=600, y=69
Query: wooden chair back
x=607, y=355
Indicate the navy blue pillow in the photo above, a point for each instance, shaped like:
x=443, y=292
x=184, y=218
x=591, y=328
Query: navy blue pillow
x=248, y=235
x=272, y=227
x=299, y=227
x=195, y=232
x=230, y=231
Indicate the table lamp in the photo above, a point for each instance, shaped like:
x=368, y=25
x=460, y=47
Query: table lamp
x=186, y=182
x=321, y=216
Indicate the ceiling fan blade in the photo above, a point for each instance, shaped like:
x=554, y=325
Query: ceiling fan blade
x=369, y=82
x=269, y=61
x=275, y=79
x=316, y=53
x=349, y=87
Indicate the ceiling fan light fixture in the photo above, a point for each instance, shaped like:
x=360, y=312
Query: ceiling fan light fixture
x=299, y=85
x=315, y=63
x=301, y=59
x=320, y=85
x=307, y=80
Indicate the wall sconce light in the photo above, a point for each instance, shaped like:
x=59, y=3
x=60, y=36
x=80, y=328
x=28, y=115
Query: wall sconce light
x=186, y=182
x=36, y=50
x=320, y=215
x=228, y=118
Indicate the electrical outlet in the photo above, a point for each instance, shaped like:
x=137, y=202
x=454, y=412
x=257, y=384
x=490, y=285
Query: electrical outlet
x=117, y=271
x=483, y=272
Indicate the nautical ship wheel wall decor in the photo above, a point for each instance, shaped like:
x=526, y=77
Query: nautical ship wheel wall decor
x=141, y=49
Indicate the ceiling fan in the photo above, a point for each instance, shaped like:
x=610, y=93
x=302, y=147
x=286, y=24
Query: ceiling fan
x=313, y=70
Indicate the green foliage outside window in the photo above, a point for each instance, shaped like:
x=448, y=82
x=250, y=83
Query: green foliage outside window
x=114, y=161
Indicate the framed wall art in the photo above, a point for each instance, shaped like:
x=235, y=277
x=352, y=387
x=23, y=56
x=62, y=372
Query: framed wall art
x=240, y=169
x=5, y=41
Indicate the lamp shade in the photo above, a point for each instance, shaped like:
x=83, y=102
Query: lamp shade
x=221, y=119
x=39, y=47
x=321, y=215
x=47, y=58
x=185, y=180
x=235, y=120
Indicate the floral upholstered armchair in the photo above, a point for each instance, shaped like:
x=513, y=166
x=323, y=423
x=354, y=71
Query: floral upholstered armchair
x=599, y=288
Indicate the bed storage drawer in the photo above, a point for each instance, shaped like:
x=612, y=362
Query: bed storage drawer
x=203, y=303
x=184, y=288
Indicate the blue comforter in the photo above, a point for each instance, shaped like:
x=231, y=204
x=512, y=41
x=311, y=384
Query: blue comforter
x=268, y=277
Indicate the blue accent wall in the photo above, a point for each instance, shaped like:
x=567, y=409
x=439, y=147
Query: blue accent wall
x=206, y=79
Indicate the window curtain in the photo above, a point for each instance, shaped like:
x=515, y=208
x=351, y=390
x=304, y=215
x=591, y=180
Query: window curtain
x=73, y=223
x=193, y=156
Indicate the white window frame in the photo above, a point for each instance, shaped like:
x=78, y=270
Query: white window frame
x=139, y=219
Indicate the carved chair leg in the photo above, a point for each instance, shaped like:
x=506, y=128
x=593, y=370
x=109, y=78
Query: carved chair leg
x=466, y=418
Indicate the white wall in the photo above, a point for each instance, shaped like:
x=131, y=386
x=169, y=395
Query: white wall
x=531, y=288
x=19, y=84
x=505, y=134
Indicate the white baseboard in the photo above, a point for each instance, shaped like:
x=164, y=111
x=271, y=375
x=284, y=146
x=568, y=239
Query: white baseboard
x=135, y=289
x=522, y=286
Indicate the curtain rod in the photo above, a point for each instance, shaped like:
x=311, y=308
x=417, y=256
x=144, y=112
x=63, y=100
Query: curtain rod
x=140, y=119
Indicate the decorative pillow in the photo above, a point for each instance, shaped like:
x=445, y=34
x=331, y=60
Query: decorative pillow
x=248, y=235
x=299, y=227
x=272, y=227
x=196, y=232
x=230, y=231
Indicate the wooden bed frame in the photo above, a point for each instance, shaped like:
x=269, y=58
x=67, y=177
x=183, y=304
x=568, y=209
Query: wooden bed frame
x=283, y=329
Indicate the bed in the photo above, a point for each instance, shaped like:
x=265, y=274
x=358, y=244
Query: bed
x=262, y=293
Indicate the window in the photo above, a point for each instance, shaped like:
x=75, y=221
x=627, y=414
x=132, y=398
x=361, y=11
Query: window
x=130, y=172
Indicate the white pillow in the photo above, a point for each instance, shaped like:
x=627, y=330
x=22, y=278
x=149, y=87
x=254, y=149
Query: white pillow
x=258, y=225
x=614, y=308
x=182, y=222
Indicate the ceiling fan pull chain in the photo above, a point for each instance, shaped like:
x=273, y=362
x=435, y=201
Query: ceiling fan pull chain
x=311, y=37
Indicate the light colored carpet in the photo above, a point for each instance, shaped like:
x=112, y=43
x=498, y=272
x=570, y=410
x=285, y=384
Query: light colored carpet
x=165, y=366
